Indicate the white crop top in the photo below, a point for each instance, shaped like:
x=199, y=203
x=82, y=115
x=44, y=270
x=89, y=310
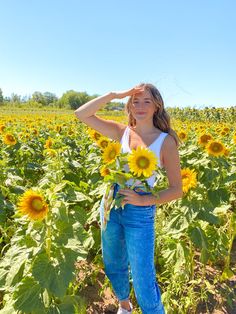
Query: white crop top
x=155, y=147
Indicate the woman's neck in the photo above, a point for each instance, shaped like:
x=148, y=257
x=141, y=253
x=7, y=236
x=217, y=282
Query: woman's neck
x=143, y=129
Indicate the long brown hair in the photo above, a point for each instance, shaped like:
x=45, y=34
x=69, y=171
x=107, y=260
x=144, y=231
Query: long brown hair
x=161, y=118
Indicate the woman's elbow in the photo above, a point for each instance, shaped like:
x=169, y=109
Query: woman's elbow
x=178, y=192
x=78, y=114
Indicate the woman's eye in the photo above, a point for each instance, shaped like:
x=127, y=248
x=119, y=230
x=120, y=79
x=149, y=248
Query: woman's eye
x=136, y=102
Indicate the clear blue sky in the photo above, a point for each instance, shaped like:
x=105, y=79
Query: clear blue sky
x=186, y=48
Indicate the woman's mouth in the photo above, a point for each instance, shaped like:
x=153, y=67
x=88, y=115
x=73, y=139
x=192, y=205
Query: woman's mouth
x=140, y=112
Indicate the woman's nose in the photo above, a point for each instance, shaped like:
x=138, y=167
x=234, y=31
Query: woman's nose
x=139, y=105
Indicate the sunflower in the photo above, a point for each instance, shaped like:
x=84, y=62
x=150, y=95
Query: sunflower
x=94, y=134
x=104, y=171
x=58, y=128
x=70, y=132
x=226, y=152
x=226, y=129
x=35, y=131
x=204, y=139
x=111, y=152
x=48, y=143
x=215, y=148
x=49, y=151
x=9, y=139
x=189, y=179
x=182, y=135
x=103, y=142
x=33, y=204
x=2, y=128
x=142, y=161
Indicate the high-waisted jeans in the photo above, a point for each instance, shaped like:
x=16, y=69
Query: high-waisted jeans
x=129, y=240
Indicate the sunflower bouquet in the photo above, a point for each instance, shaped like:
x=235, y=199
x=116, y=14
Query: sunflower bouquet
x=125, y=169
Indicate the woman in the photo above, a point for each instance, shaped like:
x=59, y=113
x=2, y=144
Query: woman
x=129, y=238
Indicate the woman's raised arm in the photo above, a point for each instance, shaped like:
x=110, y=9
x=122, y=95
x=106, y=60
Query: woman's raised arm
x=109, y=128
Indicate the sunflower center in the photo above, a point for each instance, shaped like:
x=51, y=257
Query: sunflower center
x=205, y=138
x=216, y=148
x=143, y=162
x=182, y=135
x=37, y=204
x=97, y=135
x=106, y=171
x=10, y=138
x=104, y=144
x=112, y=154
x=185, y=179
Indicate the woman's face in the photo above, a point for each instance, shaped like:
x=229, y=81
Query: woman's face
x=142, y=106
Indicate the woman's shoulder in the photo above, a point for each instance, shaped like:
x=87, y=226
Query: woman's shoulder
x=122, y=127
x=169, y=143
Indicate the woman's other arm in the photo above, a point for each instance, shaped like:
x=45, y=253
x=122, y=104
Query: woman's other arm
x=171, y=163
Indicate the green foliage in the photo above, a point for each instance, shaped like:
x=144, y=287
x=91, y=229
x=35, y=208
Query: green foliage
x=212, y=114
x=1, y=97
x=72, y=99
x=41, y=259
x=44, y=99
x=38, y=258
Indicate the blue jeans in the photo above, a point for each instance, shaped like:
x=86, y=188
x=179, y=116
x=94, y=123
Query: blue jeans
x=129, y=240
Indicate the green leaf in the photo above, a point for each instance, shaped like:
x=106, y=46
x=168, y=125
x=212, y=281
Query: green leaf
x=77, y=247
x=210, y=287
x=28, y=296
x=72, y=177
x=81, y=214
x=204, y=255
x=69, y=305
x=44, y=272
x=8, y=308
x=229, y=179
x=55, y=275
x=79, y=196
x=59, y=187
x=205, y=215
x=227, y=274
x=218, y=196
x=180, y=258
x=73, y=304
x=16, y=272
x=12, y=265
x=72, y=195
x=222, y=209
x=3, y=274
x=198, y=237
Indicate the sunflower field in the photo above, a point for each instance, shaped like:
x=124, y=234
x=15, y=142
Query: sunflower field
x=52, y=178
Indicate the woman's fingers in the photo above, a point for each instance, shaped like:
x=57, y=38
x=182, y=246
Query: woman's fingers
x=129, y=92
x=136, y=90
x=126, y=192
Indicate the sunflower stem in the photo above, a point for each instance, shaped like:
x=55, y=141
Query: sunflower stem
x=48, y=238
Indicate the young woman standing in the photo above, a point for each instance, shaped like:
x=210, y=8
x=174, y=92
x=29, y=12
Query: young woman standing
x=129, y=238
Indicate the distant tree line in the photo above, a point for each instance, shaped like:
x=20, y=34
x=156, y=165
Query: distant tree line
x=69, y=100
